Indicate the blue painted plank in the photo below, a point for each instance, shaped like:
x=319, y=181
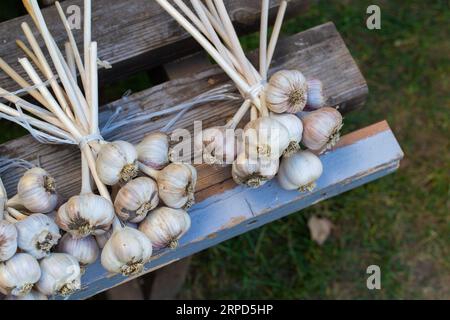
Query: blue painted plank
x=357, y=161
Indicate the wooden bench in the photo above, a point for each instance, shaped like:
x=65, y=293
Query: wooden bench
x=139, y=36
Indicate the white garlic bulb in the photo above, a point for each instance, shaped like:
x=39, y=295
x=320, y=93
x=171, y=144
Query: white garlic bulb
x=217, y=145
x=61, y=275
x=176, y=184
x=8, y=240
x=85, y=250
x=86, y=214
x=316, y=97
x=32, y=295
x=153, y=151
x=37, y=235
x=36, y=192
x=254, y=172
x=19, y=274
x=287, y=91
x=3, y=199
x=126, y=252
x=117, y=162
x=136, y=199
x=322, y=129
x=165, y=226
x=300, y=171
x=294, y=126
x=266, y=137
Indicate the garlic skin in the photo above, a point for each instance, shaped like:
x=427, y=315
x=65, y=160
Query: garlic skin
x=316, y=97
x=136, y=199
x=300, y=171
x=8, y=240
x=37, y=235
x=117, y=162
x=287, y=91
x=254, y=173
x=61, y=275
x=217, y=145
x=165, y=226
x=153, y=151
x=32, y=295
x=126, y=252
x=85, y=250
x=102, y=239
x=84, y=215
x=294, y=126
x=19, y=274
x=266, y=138
x=322, y=129
x=176, y=185
x=36, y=192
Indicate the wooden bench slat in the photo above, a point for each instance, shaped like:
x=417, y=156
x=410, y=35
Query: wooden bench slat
x=360, y=157
x=325, y=57
x=132, y=35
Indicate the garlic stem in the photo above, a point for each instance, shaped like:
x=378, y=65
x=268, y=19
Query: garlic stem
x=36, y=123
x=22, y=82
x=236, y=46
x=276, y=32
x=46, y=70
x=85, y=176
x=16, y=214
x=93, y=82
x=239, y=114
x=73, y=43
x=153, y=173
x=30, y=54
x=86, y=45
x=70, y=59
x=263, y=39
x=240, y=82
x=33, y=109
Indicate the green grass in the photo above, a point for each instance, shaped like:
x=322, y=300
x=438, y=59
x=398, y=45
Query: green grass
x=400, y=222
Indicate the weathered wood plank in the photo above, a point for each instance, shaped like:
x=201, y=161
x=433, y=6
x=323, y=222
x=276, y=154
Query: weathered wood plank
x=318, y=52
x=360, y=157
x=133, y=35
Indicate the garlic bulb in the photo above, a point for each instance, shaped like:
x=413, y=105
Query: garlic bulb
x=300, y=171
x=217, y=145
x=8, y=240
x=32, y=295
x=61, y=275
x=3, y=199
x=19, y=274
x=36, y=192
x=84, y=215
x=37, y=235
x=85, y=250
x=266, y=137
x=126, y=252
x=176, y=184
x=165, y=226
x=287, y=91
x=153, y=151
x=117, y=162
x=254, y=173
x=294, y=127
x=322, y=129
x=316, y=97
x=136, y=199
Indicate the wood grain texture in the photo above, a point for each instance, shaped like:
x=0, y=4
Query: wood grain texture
x=319, y=52
x=132, y=35
x=360, y=158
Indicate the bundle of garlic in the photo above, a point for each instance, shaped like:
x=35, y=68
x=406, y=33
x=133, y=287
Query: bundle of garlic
x=275, y=130
x=68, y=114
